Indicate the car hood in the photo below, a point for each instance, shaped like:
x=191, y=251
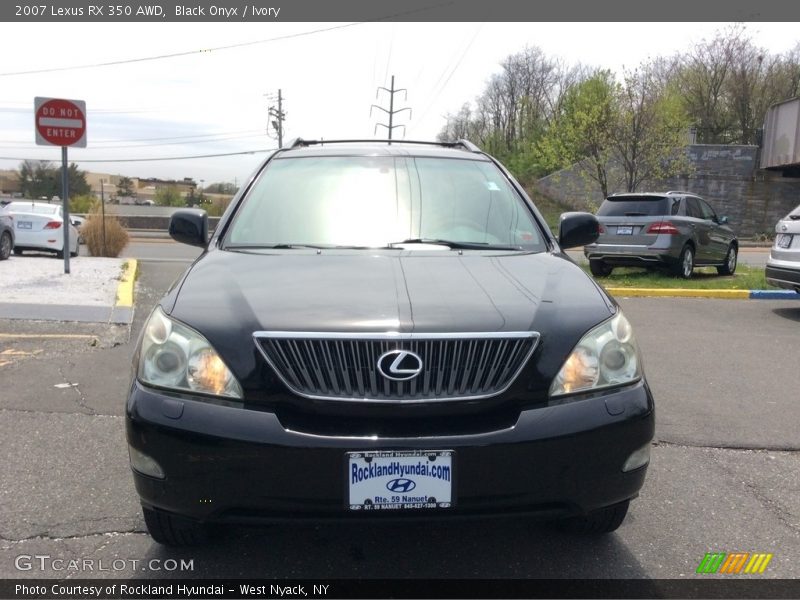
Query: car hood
x=229, y=295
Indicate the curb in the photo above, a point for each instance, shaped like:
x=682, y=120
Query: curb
x=122, y=312
x=689, y=293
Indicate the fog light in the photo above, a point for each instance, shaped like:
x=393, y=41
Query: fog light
x=144, y=464
x=638, y=458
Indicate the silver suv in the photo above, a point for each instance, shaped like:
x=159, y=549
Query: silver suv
x=783, y=265
x=674, y=230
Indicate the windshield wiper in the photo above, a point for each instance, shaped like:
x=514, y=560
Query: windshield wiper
x=272, y=246
x=455, y=245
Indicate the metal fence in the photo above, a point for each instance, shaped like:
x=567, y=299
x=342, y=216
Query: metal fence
x=706, y=135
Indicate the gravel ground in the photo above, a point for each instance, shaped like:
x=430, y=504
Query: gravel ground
x=41, y=280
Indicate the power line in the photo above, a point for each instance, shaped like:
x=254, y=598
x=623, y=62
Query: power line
x=179, y=54
x=91, y=111
x=229, y=46
x=179, y=137
x=151, y=159
x=127, y=146
x=157, y=139
x=455, y=68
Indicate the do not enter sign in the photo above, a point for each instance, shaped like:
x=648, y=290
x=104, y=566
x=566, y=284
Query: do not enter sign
x=60, y=122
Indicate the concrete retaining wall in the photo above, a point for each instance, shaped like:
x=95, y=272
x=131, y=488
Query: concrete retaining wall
x=727, y=176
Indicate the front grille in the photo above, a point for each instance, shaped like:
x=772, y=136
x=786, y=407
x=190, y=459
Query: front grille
x=341, y=366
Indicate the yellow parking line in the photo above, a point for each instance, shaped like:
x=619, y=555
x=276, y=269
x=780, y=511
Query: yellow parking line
x=679, y=292
x=35, y=336
x=125, y=287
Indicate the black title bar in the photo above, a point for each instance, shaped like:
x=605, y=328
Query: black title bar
x=384, y=10
x=215, y=589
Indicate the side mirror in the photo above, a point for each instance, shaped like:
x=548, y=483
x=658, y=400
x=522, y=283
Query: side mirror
x=189, y=226
x=577, y=229
x=723, y=220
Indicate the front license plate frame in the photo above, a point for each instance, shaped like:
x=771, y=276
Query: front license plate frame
x=419, y=480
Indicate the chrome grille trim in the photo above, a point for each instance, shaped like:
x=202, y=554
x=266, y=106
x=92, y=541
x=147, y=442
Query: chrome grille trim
x=343, y=366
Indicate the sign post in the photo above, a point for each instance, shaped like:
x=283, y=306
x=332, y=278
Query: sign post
x=60, y=122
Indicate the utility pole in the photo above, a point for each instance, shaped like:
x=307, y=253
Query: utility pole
x=278, y=116
x=391, y=112
x=103, y=212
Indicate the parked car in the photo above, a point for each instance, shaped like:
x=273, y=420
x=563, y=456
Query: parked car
x=783, y=265
x=6, y=235
x=379, y=331
x=677, y=231
x=78, y=222
x=37, y=226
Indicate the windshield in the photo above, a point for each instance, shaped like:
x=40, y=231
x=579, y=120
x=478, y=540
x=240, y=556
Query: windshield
x=376, y=201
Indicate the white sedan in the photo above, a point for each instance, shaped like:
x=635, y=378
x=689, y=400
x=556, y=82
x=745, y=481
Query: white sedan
x=38, y=226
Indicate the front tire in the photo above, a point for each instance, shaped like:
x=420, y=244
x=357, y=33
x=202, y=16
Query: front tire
x=600, y=521
x=5, y=245
x=600, y=268
x=731, y=258
x=685, y=265
x=171, y=530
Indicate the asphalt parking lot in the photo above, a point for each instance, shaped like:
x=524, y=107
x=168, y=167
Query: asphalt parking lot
x=723, y=476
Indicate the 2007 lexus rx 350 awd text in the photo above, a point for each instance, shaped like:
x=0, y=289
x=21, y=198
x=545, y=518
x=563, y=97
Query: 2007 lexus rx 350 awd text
x=385, y=330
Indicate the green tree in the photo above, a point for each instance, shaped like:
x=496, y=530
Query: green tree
x=40, y=179
x=221, y=188
x=78, y=185
x=584, y=130
x=650, y=132
x=169, y=196
x=125, y=186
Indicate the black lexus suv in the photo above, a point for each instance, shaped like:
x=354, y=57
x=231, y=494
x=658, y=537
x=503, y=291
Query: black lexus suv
x=385, y=330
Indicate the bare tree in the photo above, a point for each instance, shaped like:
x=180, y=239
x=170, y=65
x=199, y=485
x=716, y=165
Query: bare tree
x=704, y=71
x=753, y=84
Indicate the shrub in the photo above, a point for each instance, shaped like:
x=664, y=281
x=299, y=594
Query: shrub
x=116, y=236
x=216, y=206
x=82, y=204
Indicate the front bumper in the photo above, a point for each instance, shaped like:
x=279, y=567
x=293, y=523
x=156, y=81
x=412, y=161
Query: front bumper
x=230, y=464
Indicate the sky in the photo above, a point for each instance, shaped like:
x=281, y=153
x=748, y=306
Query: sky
x=215, y=100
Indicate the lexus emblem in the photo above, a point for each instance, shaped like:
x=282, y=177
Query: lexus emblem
x=400, y=365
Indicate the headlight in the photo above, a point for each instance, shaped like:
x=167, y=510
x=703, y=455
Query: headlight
x=606, y=356
x=175, y=356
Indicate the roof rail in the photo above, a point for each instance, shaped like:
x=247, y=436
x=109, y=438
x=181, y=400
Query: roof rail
x=300, y=142
x=467, y=145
